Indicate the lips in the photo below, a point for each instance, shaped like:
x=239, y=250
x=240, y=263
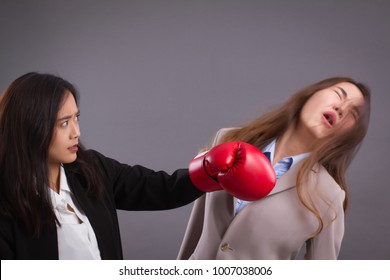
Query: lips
x=329, y=118
x=74, y=148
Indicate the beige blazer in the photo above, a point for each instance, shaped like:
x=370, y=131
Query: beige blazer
x=275, y=227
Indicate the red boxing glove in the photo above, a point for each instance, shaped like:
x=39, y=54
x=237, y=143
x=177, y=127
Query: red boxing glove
x=237, y=167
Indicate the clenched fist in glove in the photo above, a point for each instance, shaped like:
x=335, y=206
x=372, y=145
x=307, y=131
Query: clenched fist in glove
x=237, y=167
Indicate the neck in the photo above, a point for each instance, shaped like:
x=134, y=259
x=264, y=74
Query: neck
x=292, y=142
x=54, y=177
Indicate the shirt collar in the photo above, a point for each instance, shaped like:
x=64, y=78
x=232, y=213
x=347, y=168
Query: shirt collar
x=295, y=159
x=58, y=199
x=63, y=181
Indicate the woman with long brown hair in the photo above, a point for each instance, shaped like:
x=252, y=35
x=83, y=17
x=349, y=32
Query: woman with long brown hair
x=310, y=141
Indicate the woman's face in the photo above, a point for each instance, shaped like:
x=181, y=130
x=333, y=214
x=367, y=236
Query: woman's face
x=332, y=110
x=64, y=144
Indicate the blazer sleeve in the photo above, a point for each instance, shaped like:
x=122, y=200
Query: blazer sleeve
x=326, y=245
x=140, y=188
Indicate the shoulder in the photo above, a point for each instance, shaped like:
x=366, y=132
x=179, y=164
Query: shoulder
x=324, y=176
x=88, y=156
x=90, y=162
x=220, y=133
x=326, y=186
x=96, y=156
x=93, y=154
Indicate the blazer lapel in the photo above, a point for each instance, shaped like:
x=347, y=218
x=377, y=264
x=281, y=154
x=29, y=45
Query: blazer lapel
x=287, y=181
x=102, y=222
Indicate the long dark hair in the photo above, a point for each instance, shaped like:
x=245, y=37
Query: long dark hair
x=335, y=153
x=28, y=113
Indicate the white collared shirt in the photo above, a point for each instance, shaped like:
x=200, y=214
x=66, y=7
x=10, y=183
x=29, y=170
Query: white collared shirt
x=76, y=238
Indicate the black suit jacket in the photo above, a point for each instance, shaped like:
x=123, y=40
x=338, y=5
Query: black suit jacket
x=126, y=187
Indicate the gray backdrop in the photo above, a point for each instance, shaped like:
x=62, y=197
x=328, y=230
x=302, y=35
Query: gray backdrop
x=159, y=78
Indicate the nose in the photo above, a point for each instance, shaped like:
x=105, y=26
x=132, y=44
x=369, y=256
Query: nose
x=343, y=108
x=75, y=133
x=339, y=111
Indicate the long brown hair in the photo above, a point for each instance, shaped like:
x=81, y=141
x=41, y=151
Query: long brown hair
x=335, y=153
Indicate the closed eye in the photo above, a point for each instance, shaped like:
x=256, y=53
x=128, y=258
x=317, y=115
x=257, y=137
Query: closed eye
x=355, y=113
x=338, y=94
x=344, y=93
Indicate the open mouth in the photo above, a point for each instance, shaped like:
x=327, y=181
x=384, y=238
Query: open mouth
x=330, y=118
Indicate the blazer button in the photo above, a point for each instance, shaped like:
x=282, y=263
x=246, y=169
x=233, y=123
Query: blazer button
x=225, y=247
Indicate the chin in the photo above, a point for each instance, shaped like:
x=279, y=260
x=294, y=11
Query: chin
x=319, y=134
x=70, y=160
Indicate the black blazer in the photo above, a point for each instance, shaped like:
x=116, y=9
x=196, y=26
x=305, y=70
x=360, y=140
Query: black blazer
x=126, y=187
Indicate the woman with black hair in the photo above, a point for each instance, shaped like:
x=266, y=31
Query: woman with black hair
x=59, y=200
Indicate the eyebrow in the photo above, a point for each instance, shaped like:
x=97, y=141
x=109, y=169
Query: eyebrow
x=68, y=116
x=343, y=92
